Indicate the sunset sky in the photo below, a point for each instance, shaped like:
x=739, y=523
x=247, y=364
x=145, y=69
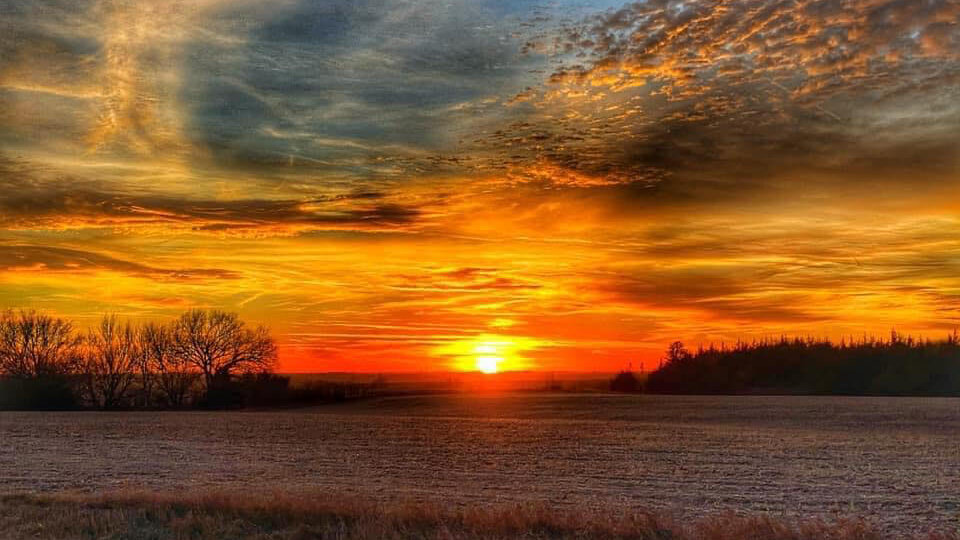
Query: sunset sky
x=417, y=185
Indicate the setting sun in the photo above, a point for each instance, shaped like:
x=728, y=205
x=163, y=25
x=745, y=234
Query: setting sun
x=488, y=364
x=487, y=361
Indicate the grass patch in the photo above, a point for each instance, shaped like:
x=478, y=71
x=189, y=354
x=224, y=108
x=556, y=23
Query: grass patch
x=215, y=515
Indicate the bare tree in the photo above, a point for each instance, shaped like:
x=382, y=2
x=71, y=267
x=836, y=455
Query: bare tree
x=175, y=375
x=145, y=393
x=35, y=345
x=109, y=362
x=219, y=344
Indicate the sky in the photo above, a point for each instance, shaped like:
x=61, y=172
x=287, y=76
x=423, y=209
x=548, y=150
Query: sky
x=425, y=185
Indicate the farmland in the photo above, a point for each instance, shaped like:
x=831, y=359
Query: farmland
x=890, y=461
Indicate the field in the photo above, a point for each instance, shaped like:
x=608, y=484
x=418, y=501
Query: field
x=890, y=461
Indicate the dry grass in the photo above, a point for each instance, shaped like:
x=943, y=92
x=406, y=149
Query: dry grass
x=134, y=515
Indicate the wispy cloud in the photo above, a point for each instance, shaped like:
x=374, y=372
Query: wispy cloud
x=14, y=258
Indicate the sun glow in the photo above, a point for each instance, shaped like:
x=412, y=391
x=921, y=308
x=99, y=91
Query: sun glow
x=489, y=353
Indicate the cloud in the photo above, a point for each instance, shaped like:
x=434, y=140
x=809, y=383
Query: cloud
x=37, y=199
x=464, y=280
x=25, y=258
x=738, y=292
x=747, y=90
x=394, y=75
x=811, y=46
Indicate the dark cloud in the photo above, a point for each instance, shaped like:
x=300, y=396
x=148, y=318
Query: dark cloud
x=57, y=259
x=744, y=90
x=28, y=199
x=744, y=293
x=312, y=75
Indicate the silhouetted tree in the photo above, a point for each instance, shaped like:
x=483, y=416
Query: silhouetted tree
x=174, y=375
x=219, y=344
x=625, y=381
x=44, y=364
x=34, y=345
x=37, y=356
x=901, y=366
x=676, y=352
x=110, y=362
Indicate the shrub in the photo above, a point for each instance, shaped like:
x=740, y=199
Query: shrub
x=625, y=381
x=47, y=393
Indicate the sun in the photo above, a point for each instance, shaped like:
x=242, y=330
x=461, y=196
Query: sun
x=488, y=364
x=487, y=360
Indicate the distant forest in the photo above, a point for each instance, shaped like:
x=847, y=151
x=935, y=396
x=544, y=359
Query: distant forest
x=898, y=366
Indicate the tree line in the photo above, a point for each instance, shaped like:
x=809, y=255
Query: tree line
x=202, y=358
x=900, y=365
